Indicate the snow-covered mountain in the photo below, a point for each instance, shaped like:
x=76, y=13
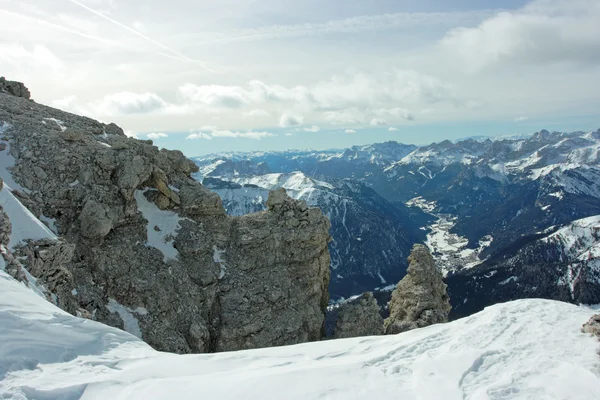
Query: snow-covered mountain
x=474, y=199
x=371, y=237
x=561, y=263
x=528, y=349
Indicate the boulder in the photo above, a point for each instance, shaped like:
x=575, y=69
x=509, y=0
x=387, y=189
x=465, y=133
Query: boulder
x=359, y=317
x=420, y=299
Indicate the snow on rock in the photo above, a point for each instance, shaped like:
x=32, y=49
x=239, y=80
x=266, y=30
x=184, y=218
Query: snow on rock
x=7, y=161
x=218, y=258
x=526, y=349
x=130, y=322
x=580, y=244
x=58, y=122
x=24, y=224
x=162, y=226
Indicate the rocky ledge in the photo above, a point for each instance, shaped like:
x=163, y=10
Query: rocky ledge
x=142, y=246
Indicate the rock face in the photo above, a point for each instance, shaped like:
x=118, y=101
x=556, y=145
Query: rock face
x=420, y=299
x=592, y=326
x=14, y=88
x=359, y=317
x=146, y=248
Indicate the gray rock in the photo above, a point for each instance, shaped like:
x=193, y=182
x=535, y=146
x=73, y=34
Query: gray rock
x=420, y=299
x=359, y=317
x=222, y=283
x=14, y=88
x=592, y=326
x=95, y=222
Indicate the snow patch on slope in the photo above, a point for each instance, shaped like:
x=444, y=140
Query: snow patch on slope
x=24, y=224
x=130, y=322
x=162, y=226
x=527, y=349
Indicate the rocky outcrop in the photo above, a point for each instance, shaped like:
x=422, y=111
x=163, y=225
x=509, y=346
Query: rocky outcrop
x=359, y=317
x=420, y=299
x=592, y=326
x=148, y=249
x=14, y=88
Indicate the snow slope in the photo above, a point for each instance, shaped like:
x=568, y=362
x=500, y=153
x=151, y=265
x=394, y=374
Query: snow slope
x=527, y=349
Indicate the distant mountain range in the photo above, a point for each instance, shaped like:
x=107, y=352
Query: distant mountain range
x=481, y=205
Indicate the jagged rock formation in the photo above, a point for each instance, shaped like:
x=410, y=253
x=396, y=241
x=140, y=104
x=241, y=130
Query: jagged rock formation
x=420, y=299
x=592, y=326
x=14, y=88
x=148, y=249
x=359, y=317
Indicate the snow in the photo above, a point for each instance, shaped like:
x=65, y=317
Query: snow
x=166, y=221
x=7, y=161
x=218, y=258
x=50, y=223
x=130, y=322
x=527, y=349
x=58, y=122
x=24, y=224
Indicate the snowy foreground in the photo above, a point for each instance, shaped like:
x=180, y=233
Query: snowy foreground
x=527, y=349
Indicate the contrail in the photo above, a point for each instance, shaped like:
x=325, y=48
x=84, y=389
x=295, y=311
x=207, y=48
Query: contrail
x=148, y=39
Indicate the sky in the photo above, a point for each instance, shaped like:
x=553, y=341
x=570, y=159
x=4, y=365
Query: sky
x=240, y=75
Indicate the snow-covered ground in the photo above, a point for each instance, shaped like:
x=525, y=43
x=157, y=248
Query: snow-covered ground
x=449, y=250
x=527, y=349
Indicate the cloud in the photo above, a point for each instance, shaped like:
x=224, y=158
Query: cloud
x=345, y=117
x=290, y=134
x=199, y=135
x=379, y=122
x=131, y=134
x=356, y=24
x=395, y=112
x=392, y=129
x=216, y=133
x=156, y=135
x=37, y=55
x=257, y=113
x=521, y=119
x=350, y=131
x=287, y=120
x=124, y=103
x=545, y=31
x=313, y=128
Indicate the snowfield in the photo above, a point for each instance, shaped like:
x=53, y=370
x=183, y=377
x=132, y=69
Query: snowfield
x=527, y=349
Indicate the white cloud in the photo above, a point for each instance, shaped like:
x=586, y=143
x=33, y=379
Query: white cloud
x=124, y=103
x=38, y=55
x=313, y=128
x=289, y=134
x=257, y=113
x=156, y=135
x=355, y=24
x=545, y=31
x=521, y=118
x=216, y=133
x=350, y=131
x=287, y=120
x=131, y=134
x=379, y=122
x=395, y=112
x=199, y=135
x=392, y=129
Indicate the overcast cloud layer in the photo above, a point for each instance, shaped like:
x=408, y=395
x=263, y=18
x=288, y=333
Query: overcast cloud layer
x=280, y=72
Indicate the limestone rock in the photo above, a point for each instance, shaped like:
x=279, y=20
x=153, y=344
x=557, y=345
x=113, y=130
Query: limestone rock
x=14, y=88
x=420, y=299
x=592, y=326
x=196, y=279
x=359, y=318
x=95, y=222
